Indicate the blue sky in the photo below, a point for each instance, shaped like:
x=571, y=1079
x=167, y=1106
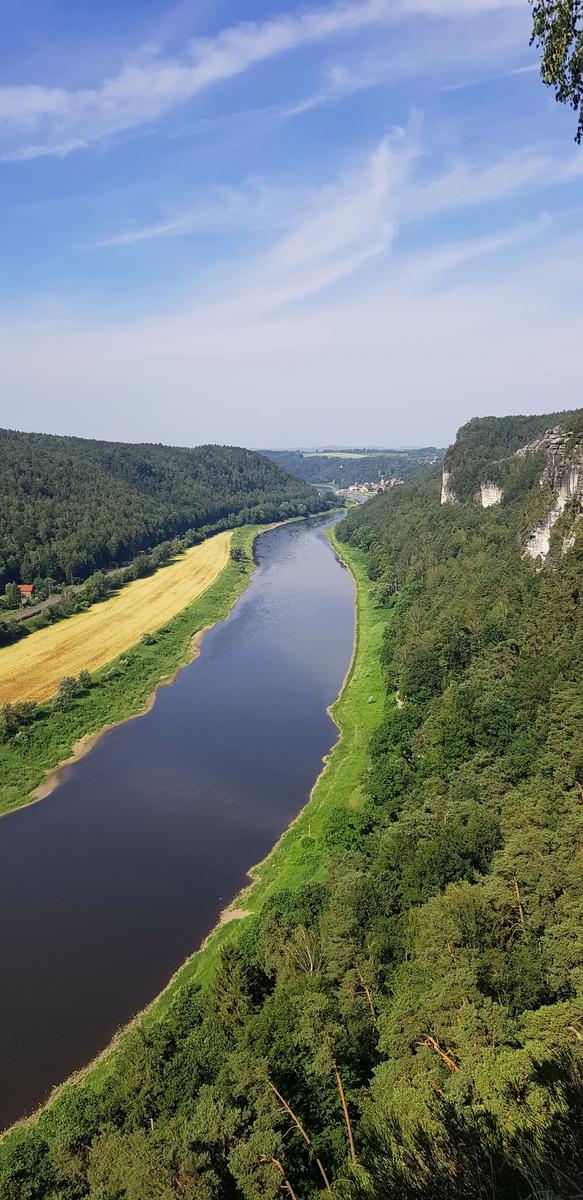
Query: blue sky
x=277, y=224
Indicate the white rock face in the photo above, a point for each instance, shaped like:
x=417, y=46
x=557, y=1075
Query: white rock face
x=489, y=494
x=538, y=542
x=448, y=495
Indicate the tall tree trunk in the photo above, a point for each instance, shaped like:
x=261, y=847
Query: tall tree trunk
x=346, y=1114
x=299, y=1126
x=285, y=1183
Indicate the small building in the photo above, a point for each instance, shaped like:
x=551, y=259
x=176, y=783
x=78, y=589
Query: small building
x=26, y=590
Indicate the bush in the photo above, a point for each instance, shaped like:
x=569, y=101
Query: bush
x=67, y=690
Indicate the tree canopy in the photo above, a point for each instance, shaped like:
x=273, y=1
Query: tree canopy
x=72, y=506
x=558, y=32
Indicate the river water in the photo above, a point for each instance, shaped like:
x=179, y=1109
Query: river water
x=108, y=884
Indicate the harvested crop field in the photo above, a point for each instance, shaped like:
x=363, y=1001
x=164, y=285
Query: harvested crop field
x=31, y=669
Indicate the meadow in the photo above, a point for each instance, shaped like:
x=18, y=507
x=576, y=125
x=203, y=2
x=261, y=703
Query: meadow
x=344, y=453
x=31, y=669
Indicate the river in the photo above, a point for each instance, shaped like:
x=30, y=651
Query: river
x=112, y=881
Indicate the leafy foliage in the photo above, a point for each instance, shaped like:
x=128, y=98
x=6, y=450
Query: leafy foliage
x=558, y=32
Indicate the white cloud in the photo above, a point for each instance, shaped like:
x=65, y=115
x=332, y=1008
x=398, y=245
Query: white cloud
x=150, y=85
x=426, y=268
x=317, y=237
x=367, y=202
x=379, y=365
x=464, y=184
x=365, y=362
x=253, y=207
x=456, y=8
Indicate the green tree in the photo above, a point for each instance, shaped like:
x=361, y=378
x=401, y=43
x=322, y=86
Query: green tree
x=66, y=692
x=11, y=598
x=558, y=32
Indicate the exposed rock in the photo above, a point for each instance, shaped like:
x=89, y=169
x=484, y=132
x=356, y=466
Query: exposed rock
x=564, y=475
x=559, y=444
x=551, y=439
x=489, y=494
x=448, y=495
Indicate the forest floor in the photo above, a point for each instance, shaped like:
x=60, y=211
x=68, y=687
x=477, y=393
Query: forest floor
x=31, y=669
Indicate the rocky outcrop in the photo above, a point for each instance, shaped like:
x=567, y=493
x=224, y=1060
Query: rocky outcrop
x=489, y=494
x=448, y=495
x=559, y=450
x=564, y=475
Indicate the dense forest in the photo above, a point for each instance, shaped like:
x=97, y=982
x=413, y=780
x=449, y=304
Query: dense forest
x=71, y=507
x=484, y=447
x=364, y=467
x=412, y=1027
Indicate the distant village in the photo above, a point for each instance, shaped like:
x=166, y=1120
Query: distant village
x=362, y=489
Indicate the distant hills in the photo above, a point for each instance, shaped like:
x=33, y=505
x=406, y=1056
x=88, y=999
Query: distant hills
x=352, y=466
x=72, y=506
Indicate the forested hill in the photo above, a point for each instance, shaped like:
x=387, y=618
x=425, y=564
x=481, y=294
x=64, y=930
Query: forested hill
x=472, y=836
x=71, y=506
x=343, y=468
x=406, y=1023
x=485, y=447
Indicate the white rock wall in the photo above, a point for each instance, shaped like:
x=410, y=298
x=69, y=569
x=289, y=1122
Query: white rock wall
x=489, y=494
x=538, y=542
x=448, y=495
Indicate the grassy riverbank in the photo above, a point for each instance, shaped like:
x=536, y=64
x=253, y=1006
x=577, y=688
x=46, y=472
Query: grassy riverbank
x=119, y=690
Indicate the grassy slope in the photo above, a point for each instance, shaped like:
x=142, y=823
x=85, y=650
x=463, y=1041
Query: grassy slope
x=120, y=689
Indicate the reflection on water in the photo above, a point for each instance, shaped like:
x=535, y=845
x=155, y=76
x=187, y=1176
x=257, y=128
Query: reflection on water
x=108, y=885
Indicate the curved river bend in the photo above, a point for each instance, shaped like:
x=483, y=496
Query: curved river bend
x=109, y=884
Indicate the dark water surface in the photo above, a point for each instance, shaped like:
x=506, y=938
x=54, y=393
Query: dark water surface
x=108, y=885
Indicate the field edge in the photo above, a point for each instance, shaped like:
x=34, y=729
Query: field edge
x=122, y=689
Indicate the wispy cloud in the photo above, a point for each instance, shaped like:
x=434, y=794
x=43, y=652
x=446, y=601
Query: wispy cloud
x=389, y=189
x=253, y=207
x=36, y=120
x=456, y=8
x=391, y=362
x=466, y=184
x=319, y=240
x=429, y=267
x=348, y=225
x=317, y=235
x=150, y=85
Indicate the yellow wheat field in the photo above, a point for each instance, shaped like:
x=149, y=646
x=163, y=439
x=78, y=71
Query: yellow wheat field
x=31, y=669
